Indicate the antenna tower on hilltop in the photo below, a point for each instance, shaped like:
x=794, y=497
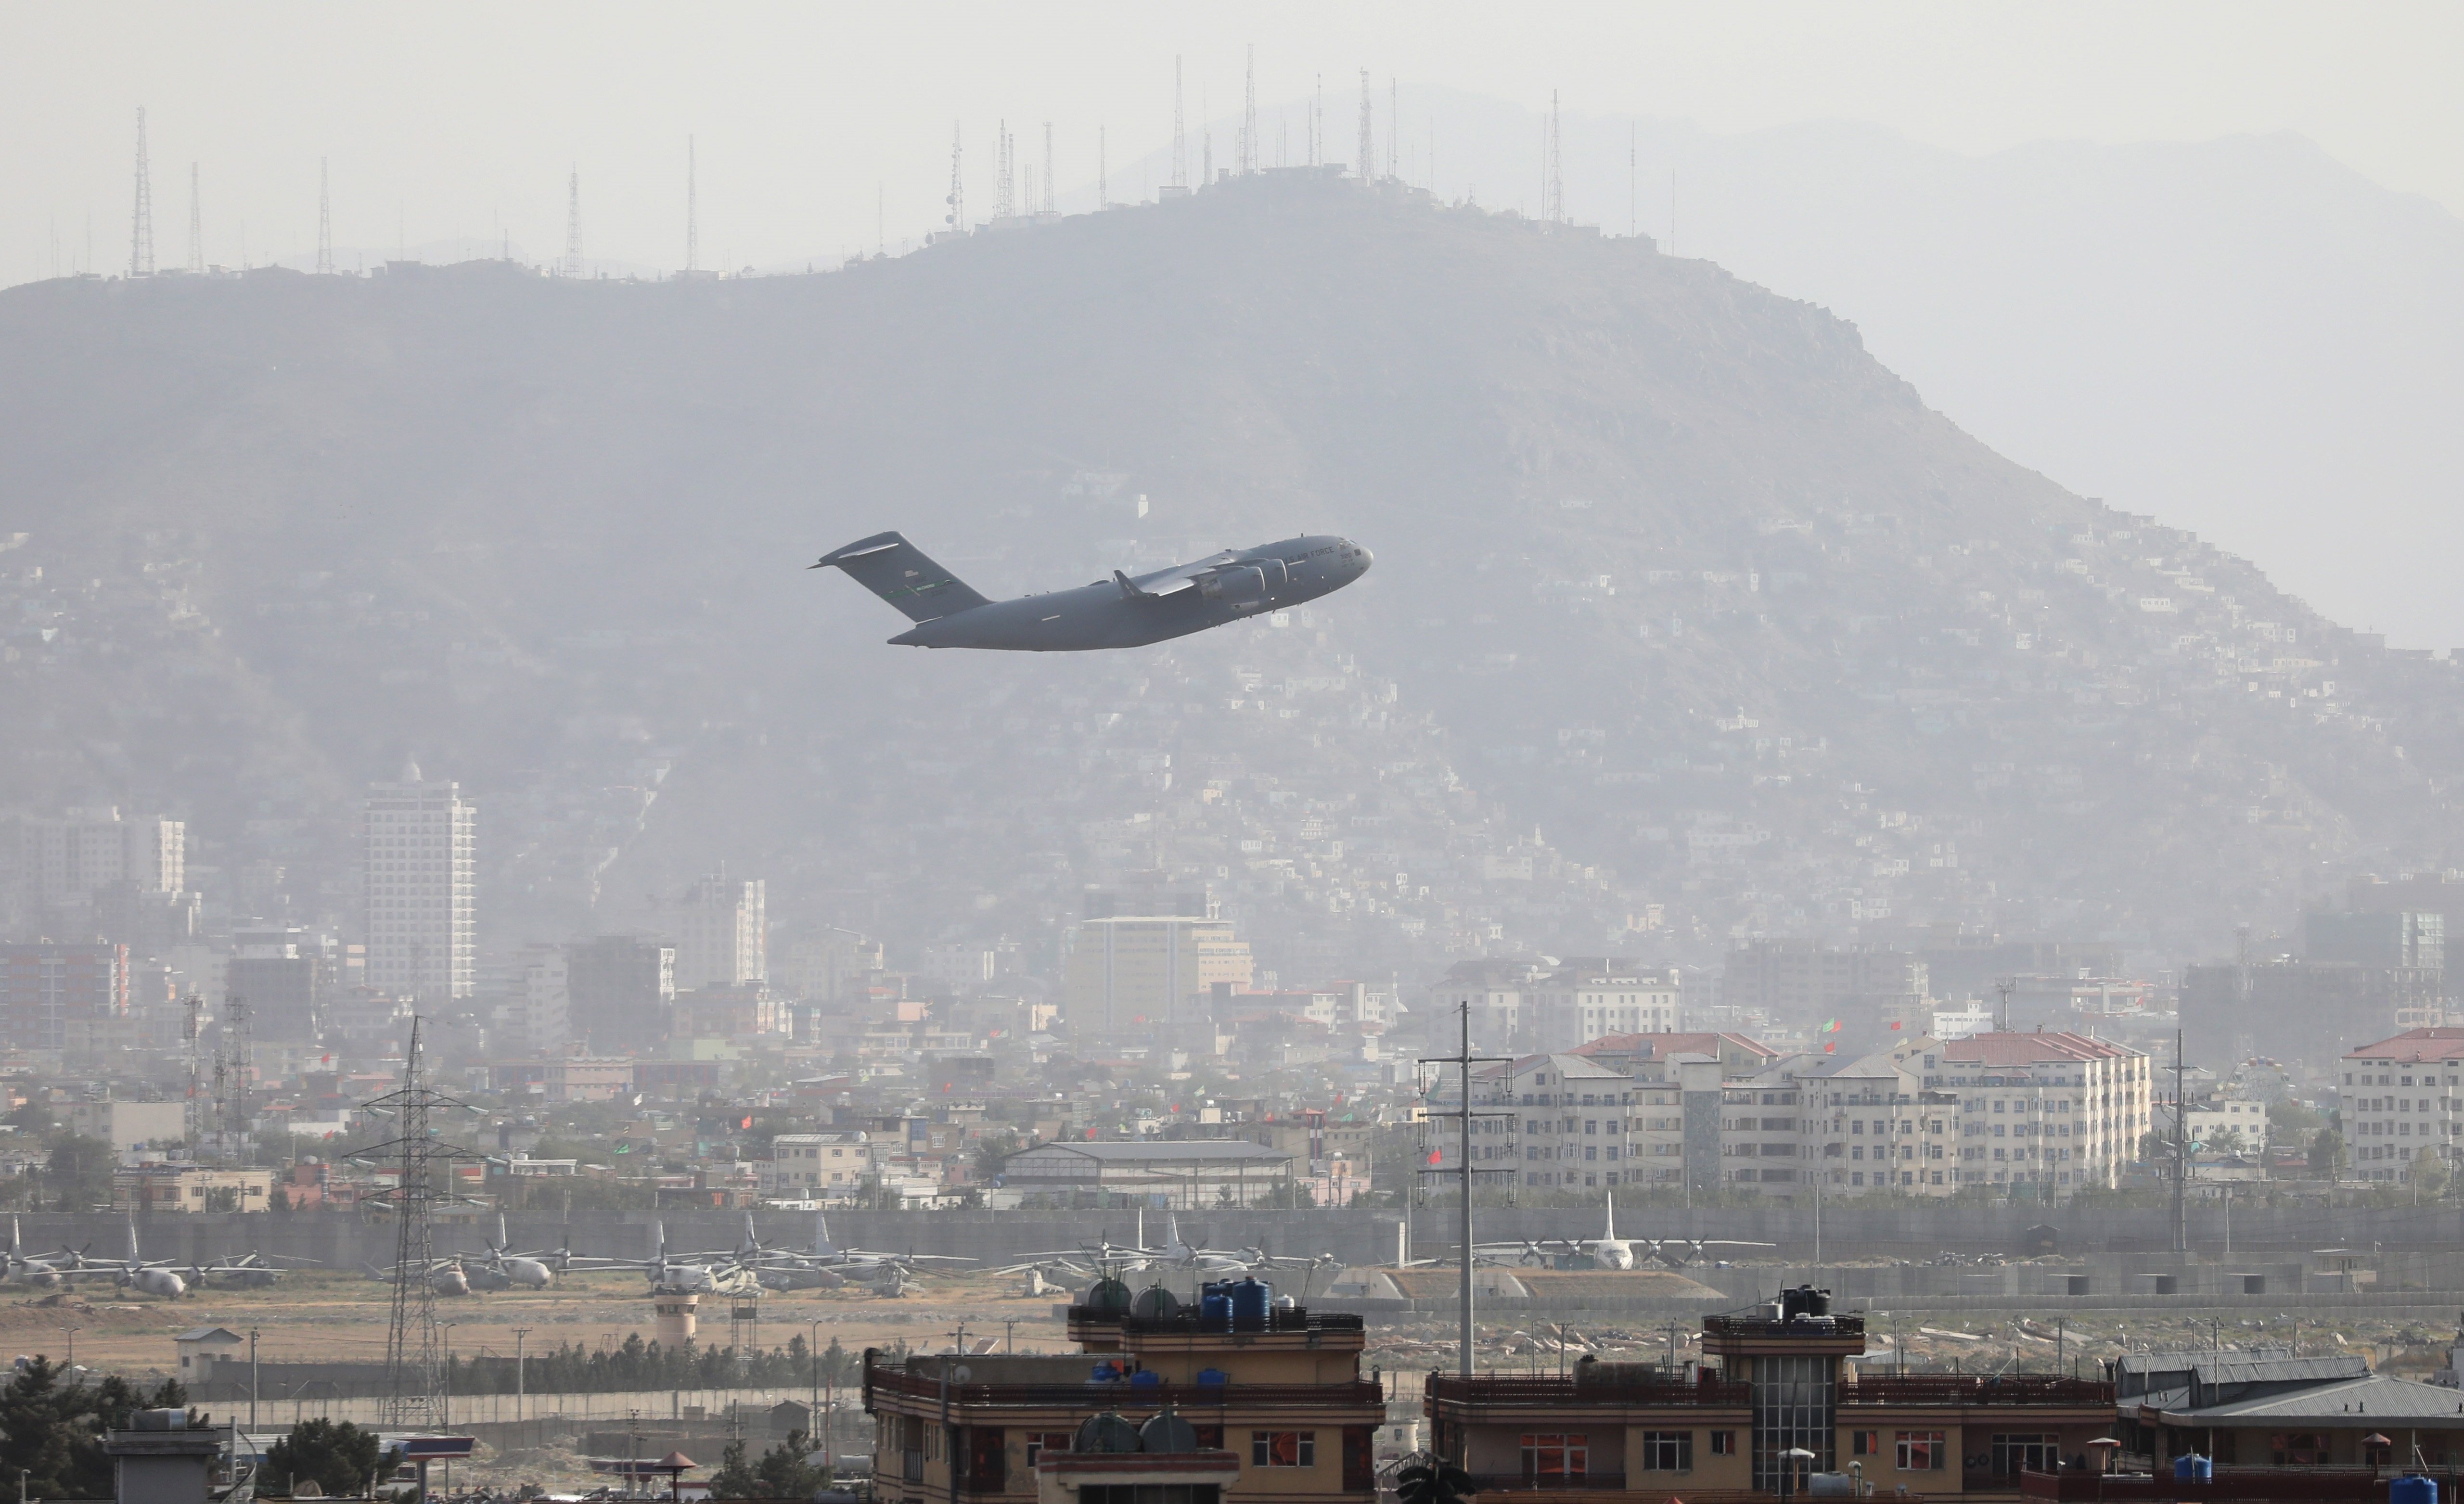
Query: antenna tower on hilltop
x=956, y=218
x=692, y=208
x=1250, y=117
x=1553, y=205
x=1179, y=136
x=324, y=221
x=141, y=232
x=414, y=1354
x=572, y=223
x=1368, y=136
x=197, y=225
x=1048, y=168
x=1003, y=200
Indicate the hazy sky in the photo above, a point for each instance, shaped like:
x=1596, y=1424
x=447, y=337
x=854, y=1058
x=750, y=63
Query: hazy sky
x=461, y=119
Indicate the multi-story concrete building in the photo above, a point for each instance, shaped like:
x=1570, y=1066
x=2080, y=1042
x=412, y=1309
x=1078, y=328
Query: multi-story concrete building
x=49, y=993
x=421, y=865
x=279, y=975
x=2400, y=1098
x=1563, y=1010
x=1803, y=980
x=1152, y=968
x=721, y=931
x=2051, y=1112
x=61, y=862
x=1879, y=1125
x=620, y=991
x=817, y=1165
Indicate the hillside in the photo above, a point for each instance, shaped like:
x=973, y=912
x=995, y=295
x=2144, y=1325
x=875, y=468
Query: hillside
x=1685, y=606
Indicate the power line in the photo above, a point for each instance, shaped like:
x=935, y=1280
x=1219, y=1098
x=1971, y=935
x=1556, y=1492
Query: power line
x=141, y=232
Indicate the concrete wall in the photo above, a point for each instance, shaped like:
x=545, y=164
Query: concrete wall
x=1914, y=1233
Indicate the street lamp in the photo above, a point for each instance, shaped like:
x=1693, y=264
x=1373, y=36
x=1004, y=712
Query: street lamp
x=521, y=1388
x=813, y=1353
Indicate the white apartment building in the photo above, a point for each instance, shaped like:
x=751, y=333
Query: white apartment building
x=2243, y=1117
x=723, y=934
x=1568, y=1009
x=1876, y=1124
x=420, y=866
x=2400, y=1096
x=2050, y=1111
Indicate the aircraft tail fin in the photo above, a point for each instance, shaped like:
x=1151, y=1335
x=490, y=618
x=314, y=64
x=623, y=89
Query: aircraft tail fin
x=821, y=1234
x=1611, y=1234
x=901, y=573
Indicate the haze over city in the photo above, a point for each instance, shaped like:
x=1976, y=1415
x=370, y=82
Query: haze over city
x=1364, y=715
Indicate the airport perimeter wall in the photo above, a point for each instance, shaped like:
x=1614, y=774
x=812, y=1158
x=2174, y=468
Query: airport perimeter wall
x=350, y=1241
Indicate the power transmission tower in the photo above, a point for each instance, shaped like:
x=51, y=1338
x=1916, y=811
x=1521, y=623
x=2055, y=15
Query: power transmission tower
x=414, y=1356
x=232, y=1068
x=1368, y=137
x=956, y=218
x=1250, y=117
x=1179, y=136
x=1463, y=1167
x=1048, y=168
x=692, y=209
x=141, y=232
x=572, y=223
x=197, y=225
x=324, y=221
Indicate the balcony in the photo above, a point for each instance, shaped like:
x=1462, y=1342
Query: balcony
x=1963, y=1390
x=1123, y=1396
x=1186, y=1323
x=1505, y=1391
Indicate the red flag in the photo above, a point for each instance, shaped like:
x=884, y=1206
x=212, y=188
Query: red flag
x=1434, y=1155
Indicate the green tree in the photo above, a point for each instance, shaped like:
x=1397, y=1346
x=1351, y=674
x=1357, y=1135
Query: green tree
x=2428, y=1173
x=336, y=1455
x=1431, y=1479
x=52, y=1431
x=783, y=1473
x=2326, y=1153
x=78, y=1170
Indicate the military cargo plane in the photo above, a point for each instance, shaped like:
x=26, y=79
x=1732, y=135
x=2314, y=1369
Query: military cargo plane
x=1124, y=611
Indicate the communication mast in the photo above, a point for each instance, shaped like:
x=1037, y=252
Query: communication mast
x=192, y=1121
x=1368, y=136
x=324, y=221
x=1552, y=207
x=572, y=223
x=1004, y=200
x=1250, y=117
x=414, y=1351
x=1048, y=168
x=956, y=218
x=141, y=232
x=232, y=1067
x=197, y=225
x=692, y=211
x=1179, y=136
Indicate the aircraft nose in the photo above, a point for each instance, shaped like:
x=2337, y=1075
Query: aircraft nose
x=1362, y=560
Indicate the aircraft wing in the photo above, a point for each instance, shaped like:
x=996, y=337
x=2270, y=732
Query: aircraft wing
x=1179, y=577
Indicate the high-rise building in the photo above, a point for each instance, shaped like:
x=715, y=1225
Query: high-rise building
x=544, y=1000
x=620, y=991
x=280, y=974
x=64, y=863
x=49, y=991
x=721, y=934
x=1147, y=968
x=421, y=862
x=2391, y=937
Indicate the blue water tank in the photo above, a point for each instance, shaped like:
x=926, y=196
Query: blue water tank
x=1213, y=1376
x=1215, y=1309
x=2413, y=1491
x=1144, y=1379
x=1251, y=1299
x=2191, y=1467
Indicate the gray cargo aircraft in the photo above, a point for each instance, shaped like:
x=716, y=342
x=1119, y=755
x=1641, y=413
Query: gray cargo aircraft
x=1119, y=612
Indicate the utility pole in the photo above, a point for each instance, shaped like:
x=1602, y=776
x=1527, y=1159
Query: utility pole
x=252, y=1379
x=1463, y=1061
x=521, y=1385
x=2181, y=1153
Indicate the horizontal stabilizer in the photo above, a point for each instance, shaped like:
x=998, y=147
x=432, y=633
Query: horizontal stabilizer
x=900, y=572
